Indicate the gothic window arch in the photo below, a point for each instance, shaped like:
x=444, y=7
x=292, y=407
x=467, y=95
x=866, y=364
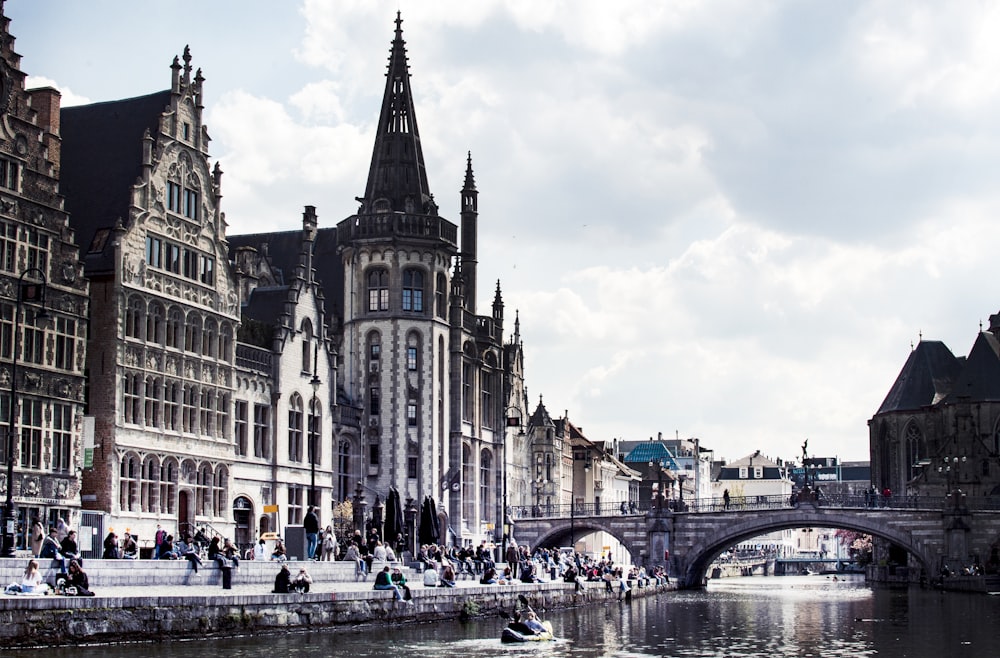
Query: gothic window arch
x=295, y=428
x=192, y=332
x=220, y=491
x=152, y=404
x=132, y=385
x=168, y=485
x=413, y=290
x=189, y=409
x=206, y=423
x=344, y=452
x=914, y=441
x=171, y=405
x=135, y=317
x=441, y=296
x=485, y=484
x=468, y=492
x=128, y=483
x=378, y=289
x=315, y=433
x=150, y=485
x=175, y=328
x=203, y=490
x=225, y=341
x=155, y=323
x=209, y=340
x=307, y=346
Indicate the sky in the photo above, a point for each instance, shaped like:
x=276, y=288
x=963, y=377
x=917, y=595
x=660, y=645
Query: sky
x=723, y=220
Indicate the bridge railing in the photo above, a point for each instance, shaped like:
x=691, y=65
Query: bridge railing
x=744, y=504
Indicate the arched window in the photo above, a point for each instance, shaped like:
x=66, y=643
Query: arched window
x=378, y=290
x=175, y=328
x=315, y=433
x=207, y=418
x=154, y=324
x=225, y=342
x=485, y=482
x=152, y=402
x=168, y=486
x=189, y=410
x=150, y=486
x=222, y=415
x=192, y=333
x=128, y=484
x=203, y=493
x=344, y=470
x=220, y=491
x=295, y=428
x=413, y=290
x=209, y=342
x=914, y=450
x=171, y=405
x=468, y=492
x=135, y=318
x=441, y=296
x=307, y=346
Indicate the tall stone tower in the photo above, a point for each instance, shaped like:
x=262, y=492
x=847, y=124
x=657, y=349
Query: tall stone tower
x=414, y=351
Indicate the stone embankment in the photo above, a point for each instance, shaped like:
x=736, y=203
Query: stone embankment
x=152, y=600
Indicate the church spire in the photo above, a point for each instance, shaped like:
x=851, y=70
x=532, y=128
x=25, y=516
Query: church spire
x=397, y=179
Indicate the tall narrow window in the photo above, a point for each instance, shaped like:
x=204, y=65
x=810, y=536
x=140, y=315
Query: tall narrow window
x=295, y=428
x=168, y=486
x=487, y=412
x=378, y=290
x=207, y=416
x=413, y=290
x=315, y=433
x=135, y=318
x=294, y=505
x=154, y=251
x=149, y=486
x=190, y=204
x=6, y=331
x=8, y=246
x=152, y=402
x=241, y=427
x=485, y=483
x=411, y=413
x=128, y=484
x=37, y=244
x=411, y=358
x=171, y=405
x=65, y=340
x=307, y=347
x=31, y=433
x=440, y=296
x=189, y=412
x=32, y=337
x=262, y=431
x=62, y=437
x=131, y=391
x=173, y=197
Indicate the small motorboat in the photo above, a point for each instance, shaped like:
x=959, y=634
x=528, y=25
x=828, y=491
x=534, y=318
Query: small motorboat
x=518, y=632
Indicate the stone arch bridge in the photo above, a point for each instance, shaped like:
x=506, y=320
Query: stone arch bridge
x=934, y=531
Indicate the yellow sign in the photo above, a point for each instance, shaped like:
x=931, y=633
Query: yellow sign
x=270, y=509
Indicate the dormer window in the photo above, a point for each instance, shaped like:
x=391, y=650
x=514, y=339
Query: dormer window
x=187, y=131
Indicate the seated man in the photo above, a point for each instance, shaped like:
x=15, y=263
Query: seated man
x=383, y=581
x=531, y=621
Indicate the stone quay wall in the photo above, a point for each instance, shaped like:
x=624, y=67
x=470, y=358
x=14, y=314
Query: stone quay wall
x=168, y=613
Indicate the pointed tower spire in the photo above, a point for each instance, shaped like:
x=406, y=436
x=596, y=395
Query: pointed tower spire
x=470, y=235
x=397, y=180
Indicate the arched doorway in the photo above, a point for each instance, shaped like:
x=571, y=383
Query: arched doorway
x=243, y=517
x=184, y=521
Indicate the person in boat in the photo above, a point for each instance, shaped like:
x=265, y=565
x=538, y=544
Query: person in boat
x=531, y=621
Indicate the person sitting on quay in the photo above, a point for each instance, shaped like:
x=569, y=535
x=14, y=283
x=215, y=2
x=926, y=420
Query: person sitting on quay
x=186, y=549
x=215, y=552
x=129, y=549
x=231, y=553
x=167, y=549
x=259, y=551
x=302, y=581
x=399, y=580
x=77, y=584
x=383, y=581
x=353, y=555
x=278, y=554
x=283, y=581
x=110, y=546
x=431, y=576
x=489, y=576
x=31, y=580
x=50, y=546
x=379, y=556
x=448, y=576
x=70, y=550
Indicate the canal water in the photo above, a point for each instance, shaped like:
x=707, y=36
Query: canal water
x=769, y=617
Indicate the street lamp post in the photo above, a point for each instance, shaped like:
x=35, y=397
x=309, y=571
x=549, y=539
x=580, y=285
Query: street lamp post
x=34, y=292
x=313, y=430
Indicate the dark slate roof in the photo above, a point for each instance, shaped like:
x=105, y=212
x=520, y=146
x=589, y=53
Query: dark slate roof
x=979, y=380
x=266, y=304
x=101, y=160
x=540, y=417
x=283, y=249
x=926, y=378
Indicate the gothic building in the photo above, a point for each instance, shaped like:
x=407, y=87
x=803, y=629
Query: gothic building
x=164, y=307
x=938, y=428
x=43, y=307
x=284, y=411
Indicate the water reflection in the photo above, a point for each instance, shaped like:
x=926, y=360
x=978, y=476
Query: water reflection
x=759, y=617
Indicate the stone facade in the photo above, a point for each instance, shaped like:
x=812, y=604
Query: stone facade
x=41, y=358
x=164, y=308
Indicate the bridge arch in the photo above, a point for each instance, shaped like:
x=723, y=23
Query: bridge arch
x=563, y=533
x=693, y=564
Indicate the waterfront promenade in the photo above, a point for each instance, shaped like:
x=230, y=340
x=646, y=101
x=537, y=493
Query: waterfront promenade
x=147, y=603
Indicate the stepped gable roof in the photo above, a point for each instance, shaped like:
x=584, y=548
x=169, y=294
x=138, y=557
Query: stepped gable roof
x=926, y=378
x=283, y=251
x=979, y=380
x=101, y=160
